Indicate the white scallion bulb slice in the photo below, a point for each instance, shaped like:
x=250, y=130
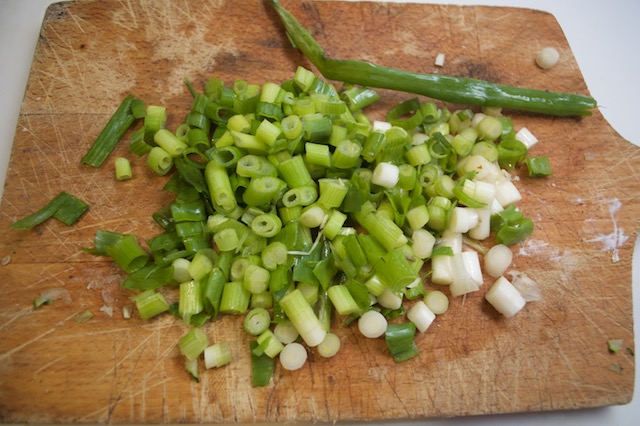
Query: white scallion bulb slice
x=386, y=175
x=293, y=356
x=547, y=58
x=507, y=193
x=505, y=297
x=437, y=301
x=329, y=346
x=181, y=270
x=422, y=243
x=285, y=332
x=421, y=316
x=388, y=299
x=525, y=136
x=497, y=260
x=462, y=219
x=372, y=324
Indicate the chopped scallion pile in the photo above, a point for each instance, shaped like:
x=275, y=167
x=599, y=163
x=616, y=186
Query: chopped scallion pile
x=293, y=209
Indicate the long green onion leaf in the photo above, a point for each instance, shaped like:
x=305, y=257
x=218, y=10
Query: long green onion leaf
x=445, y=88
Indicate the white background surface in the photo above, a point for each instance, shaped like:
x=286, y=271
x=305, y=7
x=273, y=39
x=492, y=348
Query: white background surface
x=604, y=36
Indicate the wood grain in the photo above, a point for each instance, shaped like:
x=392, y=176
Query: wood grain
x=551, y=356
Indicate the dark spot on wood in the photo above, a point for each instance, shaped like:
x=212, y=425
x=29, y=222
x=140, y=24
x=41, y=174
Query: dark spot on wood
x=57, y=12
x=478, y=71
x=272, y=42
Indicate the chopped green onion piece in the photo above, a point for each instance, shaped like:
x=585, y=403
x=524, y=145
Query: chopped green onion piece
x=334, y=224
x=395, y=114
x=358, y=98
x=217, y=355
x=149, y=277
x=123, y=169
x=292, y=127
x=346, y=155
x=300, y=196
x=294, y=172
x=318, y=154
x=303, y=318
x=149, y=304
x=293, y=356
x=511, y=152
x=538, y=166
x=274, y=255
x=226, y=239
x=329, y=346
x=332, y=192
x=489, y=128
x=372, y=324
x=488, y=150
x=614, y=345
x=190, y=301
x=169, y=142
x=400, y=341
x=436, y=301
x=155, y=120
x=256, y=279
x=82, y=317
x=256, y=321
x=202, y=264
x=64, y=207
x=267, y=132
x=261, y=300
x=127, y=253
x=342, y=300
x=137, y=144
x=159, y=161
x=111, y=134
x=266, y=225
x=261, y=366
x=252, y=166
x=268, y=344
x=193, y=344
x=219, y=186
x=235, y=298
x=515, y=232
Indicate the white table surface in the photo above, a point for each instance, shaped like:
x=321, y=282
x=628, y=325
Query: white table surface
x=604, y=36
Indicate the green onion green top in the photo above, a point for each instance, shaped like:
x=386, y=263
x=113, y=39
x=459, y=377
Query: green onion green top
x=445, y=88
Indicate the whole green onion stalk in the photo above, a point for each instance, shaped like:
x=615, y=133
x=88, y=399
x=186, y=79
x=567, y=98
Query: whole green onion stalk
x=457, y=90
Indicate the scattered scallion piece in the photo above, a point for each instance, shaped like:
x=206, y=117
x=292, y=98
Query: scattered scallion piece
x=614, y=345
x=261, y=367
x=123, y=169
x=150, y=303
x=217, y=355
x=538, y=166
x=293, y=356
x=64, y=207
x=193, y=344
x=400, y=341
x=121, y=120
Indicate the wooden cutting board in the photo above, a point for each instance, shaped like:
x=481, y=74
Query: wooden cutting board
x=551, y=356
